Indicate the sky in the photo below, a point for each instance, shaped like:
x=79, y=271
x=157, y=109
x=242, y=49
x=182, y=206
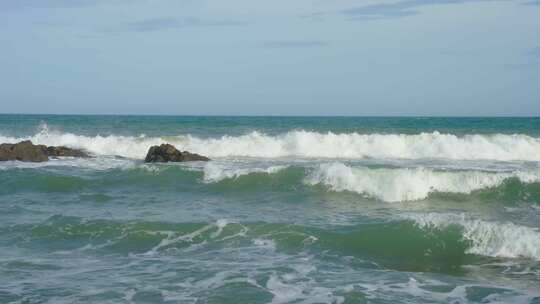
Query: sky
x=253, y=57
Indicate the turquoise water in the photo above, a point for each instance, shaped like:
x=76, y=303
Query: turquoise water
x=289, y=210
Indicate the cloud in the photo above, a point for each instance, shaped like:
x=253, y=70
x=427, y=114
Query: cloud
x=314, y=16
x=535, y=52
x=177, y=23
x=396, y=9
x=533, y=2
x=20, y=4
x=295, y=44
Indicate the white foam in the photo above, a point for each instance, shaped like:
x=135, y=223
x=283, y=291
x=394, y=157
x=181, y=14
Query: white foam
x=97, y=163
x=402, y=184
x=294, y=288
x=310, y=145
x=267, y=243
x=173, y=238
x=216, y=172
x=487, y=238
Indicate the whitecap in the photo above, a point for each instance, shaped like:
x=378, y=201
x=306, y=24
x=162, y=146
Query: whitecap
x=408, y=184
x=306, y=144
x=488, y=238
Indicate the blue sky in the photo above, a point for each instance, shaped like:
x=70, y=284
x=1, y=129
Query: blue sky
x=252, y=57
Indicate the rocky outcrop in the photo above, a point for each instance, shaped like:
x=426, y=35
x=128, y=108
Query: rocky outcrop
x=26, y=151
x=168, y=153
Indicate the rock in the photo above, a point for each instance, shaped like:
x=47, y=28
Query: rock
x=64, y=151
x=193, y=157
x=168, y=153
x=23, y=151
x=26, y=151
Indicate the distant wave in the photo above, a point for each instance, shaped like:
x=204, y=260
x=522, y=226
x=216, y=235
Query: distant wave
x=307, y=144
x=402, y=184
x=384, y=184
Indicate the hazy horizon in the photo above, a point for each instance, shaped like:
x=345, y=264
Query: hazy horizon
x=271, y=115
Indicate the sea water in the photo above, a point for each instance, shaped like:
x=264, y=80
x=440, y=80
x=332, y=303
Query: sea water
x=289, y=210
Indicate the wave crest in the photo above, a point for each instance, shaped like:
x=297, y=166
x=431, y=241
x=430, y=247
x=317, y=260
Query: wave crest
x=214, y=172
x=310, y=145
x=487, y=238
x=395, y=185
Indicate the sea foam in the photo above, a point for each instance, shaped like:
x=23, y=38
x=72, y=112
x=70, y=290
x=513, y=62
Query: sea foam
x=404, y=184
x=307, y=144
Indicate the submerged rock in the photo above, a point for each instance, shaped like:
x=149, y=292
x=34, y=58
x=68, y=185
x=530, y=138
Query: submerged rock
x=168, y=153
x=26, y=151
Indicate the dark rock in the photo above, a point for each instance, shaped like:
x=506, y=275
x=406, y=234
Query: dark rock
x=65, y=151
x=23, y=151
x=193, y=157
x=168, y=153
x=28, y=152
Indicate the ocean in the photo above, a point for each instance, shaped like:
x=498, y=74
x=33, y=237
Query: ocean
x=289, y=210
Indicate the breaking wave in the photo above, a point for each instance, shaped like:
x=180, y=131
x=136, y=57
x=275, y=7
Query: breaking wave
x=309, y=145
x=403, y=184
x=217, y=172
x=442, y=237
x=384, y=184
x=487, y=238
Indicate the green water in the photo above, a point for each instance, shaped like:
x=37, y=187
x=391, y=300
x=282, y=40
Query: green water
x=289, y=210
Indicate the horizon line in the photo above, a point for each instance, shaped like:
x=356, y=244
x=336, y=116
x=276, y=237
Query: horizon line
x=278, y=115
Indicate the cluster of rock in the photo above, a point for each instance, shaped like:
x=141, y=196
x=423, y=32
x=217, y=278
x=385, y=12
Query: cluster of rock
x=28, y=152
x=168, y=153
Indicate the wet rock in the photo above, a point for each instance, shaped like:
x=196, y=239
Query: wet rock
x=168, y=153
x=26, y=151
x=23, y=151
x=65, y=151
